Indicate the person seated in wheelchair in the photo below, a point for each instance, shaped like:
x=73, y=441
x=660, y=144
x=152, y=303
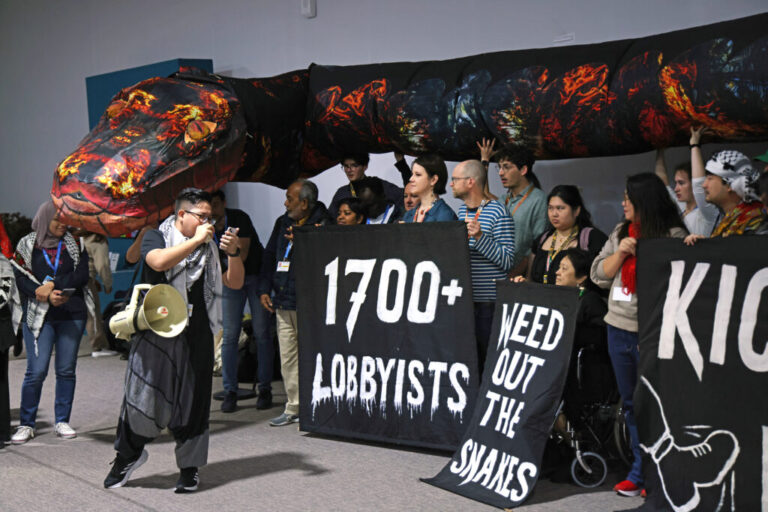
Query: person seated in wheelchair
x=590, y=377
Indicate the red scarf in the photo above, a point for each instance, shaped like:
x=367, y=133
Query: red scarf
x=5, y=243
x=629, y=267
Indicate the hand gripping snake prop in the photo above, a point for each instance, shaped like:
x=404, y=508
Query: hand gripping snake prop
x=614, y=98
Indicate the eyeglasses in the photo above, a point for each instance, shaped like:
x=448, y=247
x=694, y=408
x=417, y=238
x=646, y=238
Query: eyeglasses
x=454, y=180
x=200, y=217
x=351, y=166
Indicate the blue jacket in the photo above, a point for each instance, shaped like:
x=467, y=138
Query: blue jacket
x=284, y=283
x=440, y=212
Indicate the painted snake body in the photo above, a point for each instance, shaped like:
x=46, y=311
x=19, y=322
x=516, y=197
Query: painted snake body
x=621, y=97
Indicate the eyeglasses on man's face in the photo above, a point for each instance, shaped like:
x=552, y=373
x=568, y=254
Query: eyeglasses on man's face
x=455, y=179
x=199, y=216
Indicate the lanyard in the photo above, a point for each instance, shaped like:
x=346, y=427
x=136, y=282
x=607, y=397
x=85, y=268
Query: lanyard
x=385, y=215
x=530, y=188
x=479, y=210
x=55, y=266
x=290, y=244
x=553, y=252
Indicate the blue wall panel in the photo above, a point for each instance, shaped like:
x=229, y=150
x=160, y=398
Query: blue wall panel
x=101, y=88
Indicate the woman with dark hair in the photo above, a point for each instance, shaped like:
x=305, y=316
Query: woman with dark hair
x=428, y=179
x=597, y=381
x=571, y=227
x=350, y=212
x=51, y=271
x=648, y=213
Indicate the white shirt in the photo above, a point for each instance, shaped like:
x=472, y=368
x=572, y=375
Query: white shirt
x=701, y=220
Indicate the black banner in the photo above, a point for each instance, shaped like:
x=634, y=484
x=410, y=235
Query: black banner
x=700, y=403
x=387, y=349
x=499, y=458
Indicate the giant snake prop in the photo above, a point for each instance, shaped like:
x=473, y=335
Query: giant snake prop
x=197, y=129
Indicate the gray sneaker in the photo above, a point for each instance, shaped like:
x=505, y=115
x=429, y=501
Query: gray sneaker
x=284, y=419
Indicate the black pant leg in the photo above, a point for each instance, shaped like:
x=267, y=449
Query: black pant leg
x=5, y=399
x=128, y=443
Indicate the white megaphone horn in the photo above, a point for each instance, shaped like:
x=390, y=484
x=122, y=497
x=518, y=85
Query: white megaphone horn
x=163, y=311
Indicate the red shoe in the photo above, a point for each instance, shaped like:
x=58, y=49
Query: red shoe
x=627, y=488
x=643, y=494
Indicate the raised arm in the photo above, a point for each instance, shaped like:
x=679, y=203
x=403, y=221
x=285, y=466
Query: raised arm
x=234, y=277
x=133, y=254
x=660, y=168
x=402, y=167
x=486, y=152
x=697, y=160
x=161, y=260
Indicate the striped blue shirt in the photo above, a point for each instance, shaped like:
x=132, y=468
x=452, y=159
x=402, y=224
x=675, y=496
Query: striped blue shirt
x=493, y=255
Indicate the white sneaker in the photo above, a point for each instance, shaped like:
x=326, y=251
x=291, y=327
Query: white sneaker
x=103, y=353
x=22, y=435
x=64, y=431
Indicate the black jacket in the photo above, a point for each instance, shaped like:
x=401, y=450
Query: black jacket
x=283, y=283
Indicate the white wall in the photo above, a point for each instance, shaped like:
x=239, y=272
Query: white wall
x=47, y=48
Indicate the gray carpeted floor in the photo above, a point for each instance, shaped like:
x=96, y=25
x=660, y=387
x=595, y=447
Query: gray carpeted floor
x=251, y=466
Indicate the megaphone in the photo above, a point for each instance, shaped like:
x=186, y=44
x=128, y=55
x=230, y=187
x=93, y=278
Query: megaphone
x=163, y=311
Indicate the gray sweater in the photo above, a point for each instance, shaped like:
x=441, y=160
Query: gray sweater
x=621, y=313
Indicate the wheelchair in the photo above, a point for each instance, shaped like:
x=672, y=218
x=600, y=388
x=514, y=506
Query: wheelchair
x=590, y=419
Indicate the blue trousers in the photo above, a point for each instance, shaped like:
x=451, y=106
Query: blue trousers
x=233, y=304
x=623, y=349
x=65, y=336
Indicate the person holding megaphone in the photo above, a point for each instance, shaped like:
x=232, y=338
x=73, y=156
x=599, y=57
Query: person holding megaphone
x=169, y=376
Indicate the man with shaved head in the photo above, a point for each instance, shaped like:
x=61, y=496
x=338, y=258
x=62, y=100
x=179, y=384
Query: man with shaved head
x=491, y=238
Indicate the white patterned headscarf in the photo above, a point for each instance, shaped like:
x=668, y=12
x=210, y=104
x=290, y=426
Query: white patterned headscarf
x=736, y=170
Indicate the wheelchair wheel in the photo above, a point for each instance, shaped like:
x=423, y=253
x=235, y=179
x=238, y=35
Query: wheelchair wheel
x=598, y=470
x=621, y=437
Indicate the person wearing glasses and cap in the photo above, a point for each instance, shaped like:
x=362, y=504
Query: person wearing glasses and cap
x=354, y=166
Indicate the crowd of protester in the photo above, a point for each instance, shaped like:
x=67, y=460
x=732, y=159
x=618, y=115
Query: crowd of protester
x=527, y=234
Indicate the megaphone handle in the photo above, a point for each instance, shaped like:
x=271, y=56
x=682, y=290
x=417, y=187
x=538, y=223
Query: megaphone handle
x=135, y=296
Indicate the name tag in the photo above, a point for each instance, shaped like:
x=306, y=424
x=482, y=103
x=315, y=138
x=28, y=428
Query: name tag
x=283, y=266
x=618, y=295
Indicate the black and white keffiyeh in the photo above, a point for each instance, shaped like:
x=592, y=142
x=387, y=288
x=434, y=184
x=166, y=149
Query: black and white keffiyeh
x=736, y=169
x=9, y=294
x=202, y=261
